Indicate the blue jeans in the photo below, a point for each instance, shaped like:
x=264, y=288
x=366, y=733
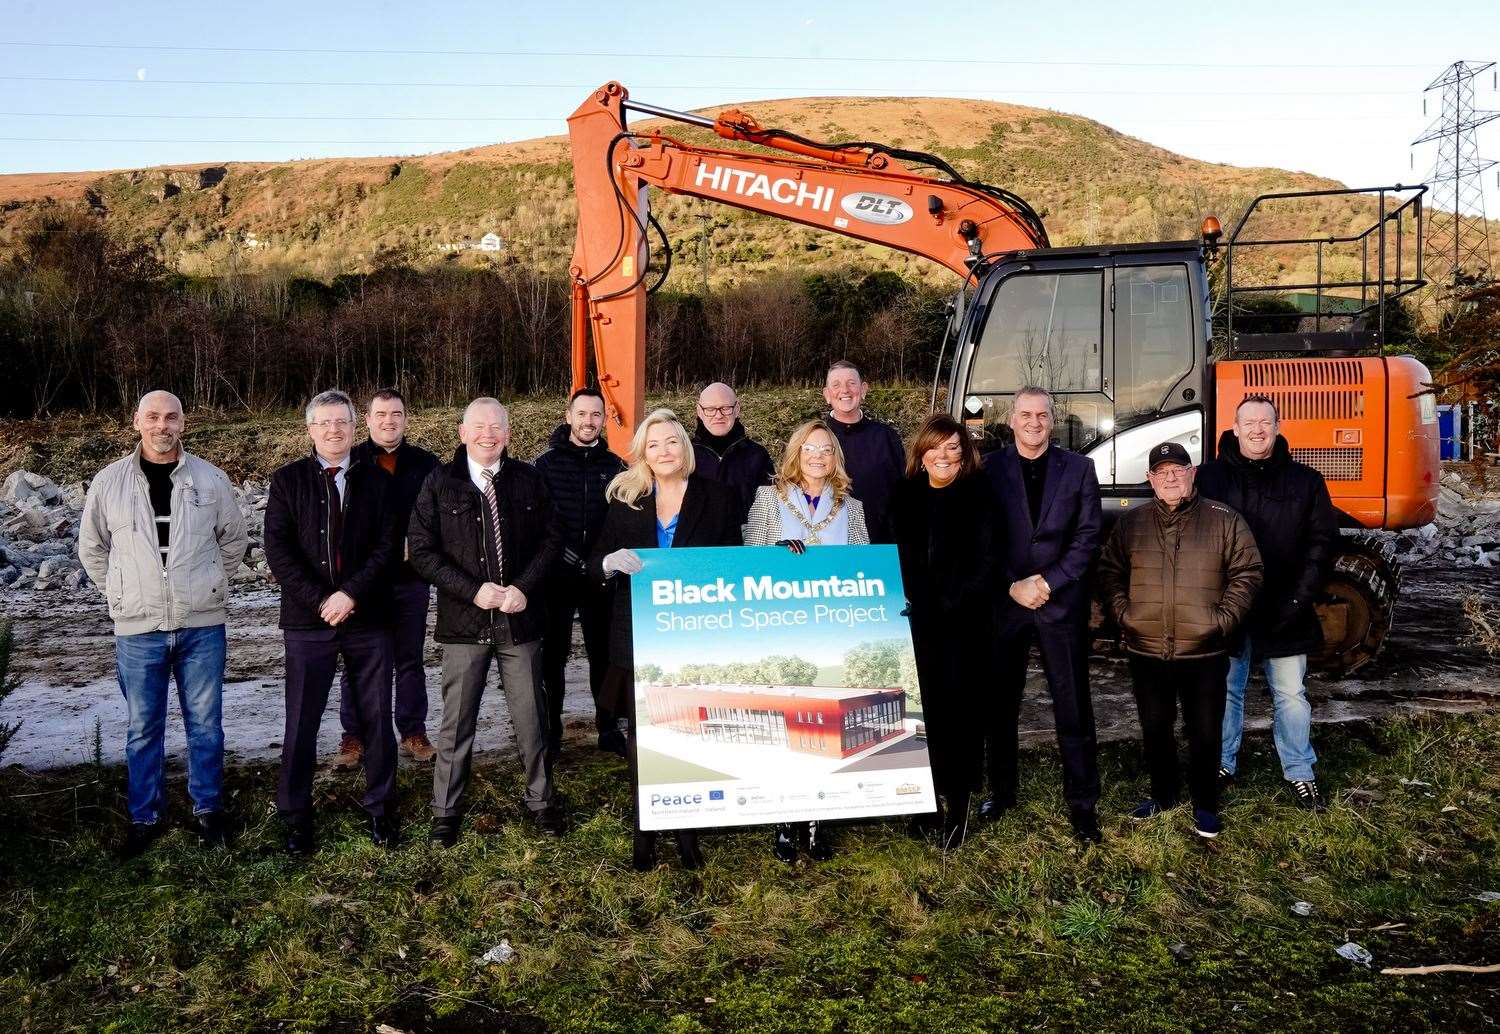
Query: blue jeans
x=1291, y=714
x=194, y=658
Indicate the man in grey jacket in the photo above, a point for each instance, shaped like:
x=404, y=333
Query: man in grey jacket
x=161, y=533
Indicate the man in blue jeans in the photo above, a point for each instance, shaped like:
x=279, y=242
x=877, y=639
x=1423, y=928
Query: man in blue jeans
x=1287, y=507
x=161, y=533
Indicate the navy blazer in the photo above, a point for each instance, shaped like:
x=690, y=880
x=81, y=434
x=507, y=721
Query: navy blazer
x=1062, y=546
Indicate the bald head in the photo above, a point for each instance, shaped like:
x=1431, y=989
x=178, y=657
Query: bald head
x=159, y=421
x=158, y=399
x=718, y=408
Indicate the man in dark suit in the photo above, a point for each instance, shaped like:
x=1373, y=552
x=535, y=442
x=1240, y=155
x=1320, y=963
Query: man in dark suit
x=331, y=543
x=408, y=465
x=482, y=532
x=1050, y=525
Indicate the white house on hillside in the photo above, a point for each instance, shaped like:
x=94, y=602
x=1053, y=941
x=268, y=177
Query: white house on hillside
x=491, y=242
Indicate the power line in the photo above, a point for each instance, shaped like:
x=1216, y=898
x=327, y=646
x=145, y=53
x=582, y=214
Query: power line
x=865, y=91
x=325, y=142
x=281, y=118
x=818, y=58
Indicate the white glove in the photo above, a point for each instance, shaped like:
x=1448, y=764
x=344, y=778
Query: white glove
x=622, y=561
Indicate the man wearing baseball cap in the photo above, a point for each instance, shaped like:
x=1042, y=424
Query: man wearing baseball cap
x=1178, y=576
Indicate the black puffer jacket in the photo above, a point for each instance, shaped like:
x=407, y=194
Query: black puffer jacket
x=876, y=461
x=449, y=549
x=413, y=464
x=1287, y=506
x=575, y=478
x=736, y=461
x=298, y=511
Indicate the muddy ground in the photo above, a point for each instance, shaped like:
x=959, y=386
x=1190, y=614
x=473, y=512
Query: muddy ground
x=65, y=661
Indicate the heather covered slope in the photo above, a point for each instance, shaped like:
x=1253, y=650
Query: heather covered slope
x=325, y=216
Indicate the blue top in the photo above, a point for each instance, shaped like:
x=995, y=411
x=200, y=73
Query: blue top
x=666, y=532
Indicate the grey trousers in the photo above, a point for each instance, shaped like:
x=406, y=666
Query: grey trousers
x=466, y=668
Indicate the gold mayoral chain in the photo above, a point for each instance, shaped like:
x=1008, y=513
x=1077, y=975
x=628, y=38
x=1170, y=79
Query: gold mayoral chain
x=812, y=529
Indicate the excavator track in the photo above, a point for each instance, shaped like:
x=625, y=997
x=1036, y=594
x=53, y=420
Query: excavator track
x=1359, y=601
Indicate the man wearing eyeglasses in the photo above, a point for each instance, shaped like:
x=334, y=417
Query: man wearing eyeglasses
x=724, y=452
x=1178, y=576
x=331, y=543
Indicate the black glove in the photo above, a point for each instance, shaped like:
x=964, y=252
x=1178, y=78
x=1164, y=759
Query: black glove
x=795, y=545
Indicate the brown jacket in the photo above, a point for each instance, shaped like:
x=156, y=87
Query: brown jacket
x=1180, y=582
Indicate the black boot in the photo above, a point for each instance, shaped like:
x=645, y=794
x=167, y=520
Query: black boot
x=819, y=841
x=784, y=847
x=688, y=849
x=643, y=852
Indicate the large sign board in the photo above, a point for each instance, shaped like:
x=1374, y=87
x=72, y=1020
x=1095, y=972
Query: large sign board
x=772, y=687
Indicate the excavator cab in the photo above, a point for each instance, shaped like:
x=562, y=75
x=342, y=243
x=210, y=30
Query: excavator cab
x=1118, y=334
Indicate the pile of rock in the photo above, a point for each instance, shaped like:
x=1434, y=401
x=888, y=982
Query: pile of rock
x=1465, y=534
x=252, y=496
x=39, y=533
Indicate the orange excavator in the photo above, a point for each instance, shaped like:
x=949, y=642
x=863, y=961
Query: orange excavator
x=1122, y=334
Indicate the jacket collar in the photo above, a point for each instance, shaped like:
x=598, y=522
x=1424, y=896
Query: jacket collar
x=719, y=444
x=562, y=438
x=458, y=467
x=1184, y=508
x=692, y=510
x=1010, y=460
x=181, y=467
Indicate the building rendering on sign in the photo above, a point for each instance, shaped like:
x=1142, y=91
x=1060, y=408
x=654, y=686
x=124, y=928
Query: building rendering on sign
x=827, y=721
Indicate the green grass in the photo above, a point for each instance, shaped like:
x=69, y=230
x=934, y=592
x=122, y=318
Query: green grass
x=1021, y=929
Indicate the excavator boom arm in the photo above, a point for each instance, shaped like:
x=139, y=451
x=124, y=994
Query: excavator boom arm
x=850, y=189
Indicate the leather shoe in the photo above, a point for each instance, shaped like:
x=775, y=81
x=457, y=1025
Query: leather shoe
x=418, y=747
x=785, y=846
x=140, y=836
x=549, y=820
x=213, y=829
x=991, y=808
x=613, y=742
x=688, y=849
x=444, y=831
x=1085, y=823
x=819, y=841
x=383, y=831
x=643, y=852
x=300, y=839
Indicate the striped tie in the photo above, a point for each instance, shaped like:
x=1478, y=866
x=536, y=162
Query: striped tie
x=494, y=504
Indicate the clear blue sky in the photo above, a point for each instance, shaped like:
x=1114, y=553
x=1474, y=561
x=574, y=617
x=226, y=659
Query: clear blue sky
x=1193, y=78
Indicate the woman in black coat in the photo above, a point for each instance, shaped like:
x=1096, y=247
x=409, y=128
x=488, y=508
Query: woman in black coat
x=656, y=502
x=944, y=520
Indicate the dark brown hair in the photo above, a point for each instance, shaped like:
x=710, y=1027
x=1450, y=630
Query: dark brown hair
x=936, y=430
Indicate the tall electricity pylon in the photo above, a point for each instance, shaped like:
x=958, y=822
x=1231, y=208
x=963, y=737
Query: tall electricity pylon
x=1458, y=239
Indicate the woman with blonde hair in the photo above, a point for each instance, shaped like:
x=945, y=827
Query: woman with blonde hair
x=656, y=502
x=808, y=504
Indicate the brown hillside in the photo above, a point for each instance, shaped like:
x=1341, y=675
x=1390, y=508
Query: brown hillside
x=326, y=216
